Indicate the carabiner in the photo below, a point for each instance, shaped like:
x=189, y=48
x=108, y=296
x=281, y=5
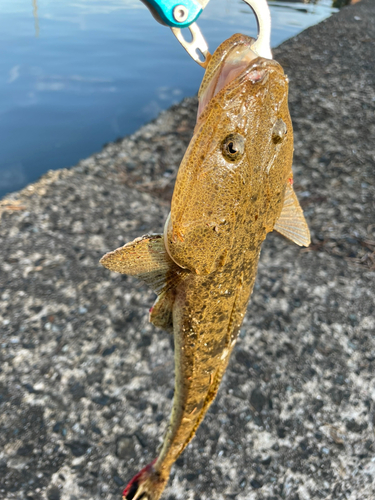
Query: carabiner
x=179, y=14
x=176, y=13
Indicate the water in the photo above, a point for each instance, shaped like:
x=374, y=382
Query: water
x=76, y=74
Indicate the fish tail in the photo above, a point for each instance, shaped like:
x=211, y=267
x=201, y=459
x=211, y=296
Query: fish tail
x=148, y=484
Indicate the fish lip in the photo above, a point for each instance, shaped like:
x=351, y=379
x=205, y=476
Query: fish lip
x=262, y=64
x=229, y=64
x=239, y=40
x=256, y=71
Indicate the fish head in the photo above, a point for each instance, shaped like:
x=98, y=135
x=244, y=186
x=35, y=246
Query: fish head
x=238, y=161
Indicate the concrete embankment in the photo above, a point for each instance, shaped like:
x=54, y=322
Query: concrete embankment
x=86, y=383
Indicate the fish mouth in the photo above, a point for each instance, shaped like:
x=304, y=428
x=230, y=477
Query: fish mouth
x=234, y=63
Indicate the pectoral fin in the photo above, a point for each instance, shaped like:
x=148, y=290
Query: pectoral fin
x=147, y=259
x=292, y=223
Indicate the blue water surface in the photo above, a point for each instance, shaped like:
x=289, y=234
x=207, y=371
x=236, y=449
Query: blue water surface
x=75, y=74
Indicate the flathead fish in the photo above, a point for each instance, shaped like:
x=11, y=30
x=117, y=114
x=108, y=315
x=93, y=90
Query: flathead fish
x=234, y=185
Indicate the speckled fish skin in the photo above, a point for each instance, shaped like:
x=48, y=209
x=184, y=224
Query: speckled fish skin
x=230, y=191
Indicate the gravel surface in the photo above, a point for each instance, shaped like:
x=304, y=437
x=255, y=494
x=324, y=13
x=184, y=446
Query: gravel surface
x=86, y=384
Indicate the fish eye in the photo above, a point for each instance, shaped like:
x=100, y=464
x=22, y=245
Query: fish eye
x=279, y=131
x=233, y=147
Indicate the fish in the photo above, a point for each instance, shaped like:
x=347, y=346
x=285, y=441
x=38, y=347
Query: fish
x=234, y=185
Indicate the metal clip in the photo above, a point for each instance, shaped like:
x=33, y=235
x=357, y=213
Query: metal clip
x=262, y=45
x=179, y=14
x=197, y=44
x=176, y=13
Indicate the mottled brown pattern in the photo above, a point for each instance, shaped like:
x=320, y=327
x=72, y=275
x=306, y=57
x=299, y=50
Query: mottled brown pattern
x=222, y=208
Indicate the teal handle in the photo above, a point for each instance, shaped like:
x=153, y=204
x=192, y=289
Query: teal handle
x=170, y=14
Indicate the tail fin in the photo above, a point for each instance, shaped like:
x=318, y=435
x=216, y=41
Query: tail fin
x=146, y=485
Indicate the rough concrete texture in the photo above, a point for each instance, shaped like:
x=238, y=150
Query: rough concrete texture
x=86, y=384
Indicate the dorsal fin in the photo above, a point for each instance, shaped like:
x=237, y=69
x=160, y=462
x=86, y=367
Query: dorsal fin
x=292, y=223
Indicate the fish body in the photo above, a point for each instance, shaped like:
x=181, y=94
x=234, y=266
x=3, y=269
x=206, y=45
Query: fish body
x=234, y=185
